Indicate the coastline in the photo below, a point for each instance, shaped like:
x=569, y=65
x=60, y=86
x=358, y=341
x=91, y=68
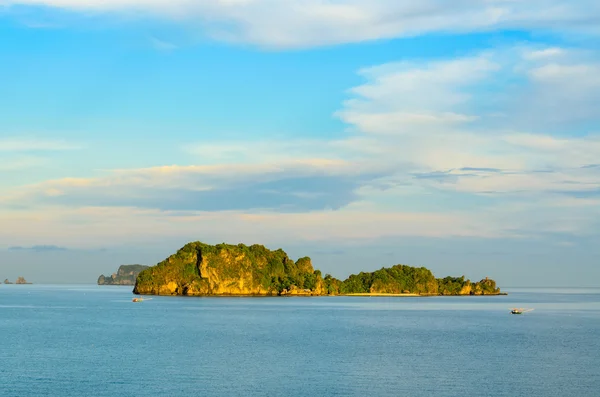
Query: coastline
x=379, y=294
x=361, y=294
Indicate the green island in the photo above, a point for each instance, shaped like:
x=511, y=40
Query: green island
x=125, y=275
x=200, y=269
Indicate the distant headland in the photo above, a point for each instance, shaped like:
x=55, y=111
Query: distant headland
x=125, y=275
x=20, y=280
x=200, y=269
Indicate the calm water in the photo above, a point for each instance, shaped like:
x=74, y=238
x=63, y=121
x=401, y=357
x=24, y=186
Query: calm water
x=93, y=341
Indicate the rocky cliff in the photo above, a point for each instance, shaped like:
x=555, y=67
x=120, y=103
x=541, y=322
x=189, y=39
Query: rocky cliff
x=20, y=280
x=399, y=279
x=402, y=279
x=200, y=269
x=460, y=286
x=125, y=275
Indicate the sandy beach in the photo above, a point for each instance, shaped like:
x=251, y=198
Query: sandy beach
x=379, y=294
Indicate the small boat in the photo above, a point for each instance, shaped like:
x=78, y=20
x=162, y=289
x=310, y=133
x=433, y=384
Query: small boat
x=137, y=300
x=519, y=311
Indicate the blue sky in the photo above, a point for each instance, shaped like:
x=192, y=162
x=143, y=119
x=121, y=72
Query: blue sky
x=464, y=138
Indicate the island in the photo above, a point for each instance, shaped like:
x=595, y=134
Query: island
x=20, y=280
x=125, y=275
x=200, y=269
x=407, y=280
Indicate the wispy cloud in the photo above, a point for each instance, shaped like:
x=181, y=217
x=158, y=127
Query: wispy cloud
x=38, y=248
x=397, y=96
x=418, y=124
x=92, y=227
x=292, y=186
x=303, y=23
x=162, y=45
x=34, y=145
x=482, y=153
x=20, y=163
x=426, y=153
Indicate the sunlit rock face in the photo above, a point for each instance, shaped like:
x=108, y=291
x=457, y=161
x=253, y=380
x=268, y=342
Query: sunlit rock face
x=200, y=269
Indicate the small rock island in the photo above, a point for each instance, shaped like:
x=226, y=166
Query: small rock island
x=200, y=269
x=20, y=280
x=125, y=275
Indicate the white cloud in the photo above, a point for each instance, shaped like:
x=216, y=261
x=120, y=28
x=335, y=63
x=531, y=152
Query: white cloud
x=298, y=184
x=543, y=53
x=301, y=23
x=96, y=227
x=417, y=130
x=422, y=124
x=270, y=152
x=20, y=163
x=544, y=178
x=91, y=227
x=522, y=182
x=32, y=145
x=442, y=115
x=414, y=123
x=402, y=97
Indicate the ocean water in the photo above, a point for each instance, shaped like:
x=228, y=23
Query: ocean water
x=93, y=341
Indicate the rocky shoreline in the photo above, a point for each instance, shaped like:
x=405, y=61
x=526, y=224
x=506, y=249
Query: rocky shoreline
x=199, y=269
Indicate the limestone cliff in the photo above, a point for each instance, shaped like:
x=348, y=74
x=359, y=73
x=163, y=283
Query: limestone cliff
x=460, y=286
x=21, y=280
x=398, y=279
x=125, y=275
x=200, y=269
x=402, y=279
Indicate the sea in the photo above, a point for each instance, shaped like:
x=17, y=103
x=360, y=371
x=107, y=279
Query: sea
x=87, y=340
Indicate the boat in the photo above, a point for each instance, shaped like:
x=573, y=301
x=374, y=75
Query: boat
x=519, y=311
x=137, y=300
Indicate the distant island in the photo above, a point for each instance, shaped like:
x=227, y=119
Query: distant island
x=200, y=269
x=20, y=280
x=125, y=275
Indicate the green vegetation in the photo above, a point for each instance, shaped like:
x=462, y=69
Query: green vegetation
x=126, y=275
x=399, y=279
x=460, y=286
x=223, y=269
x=332, y=286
